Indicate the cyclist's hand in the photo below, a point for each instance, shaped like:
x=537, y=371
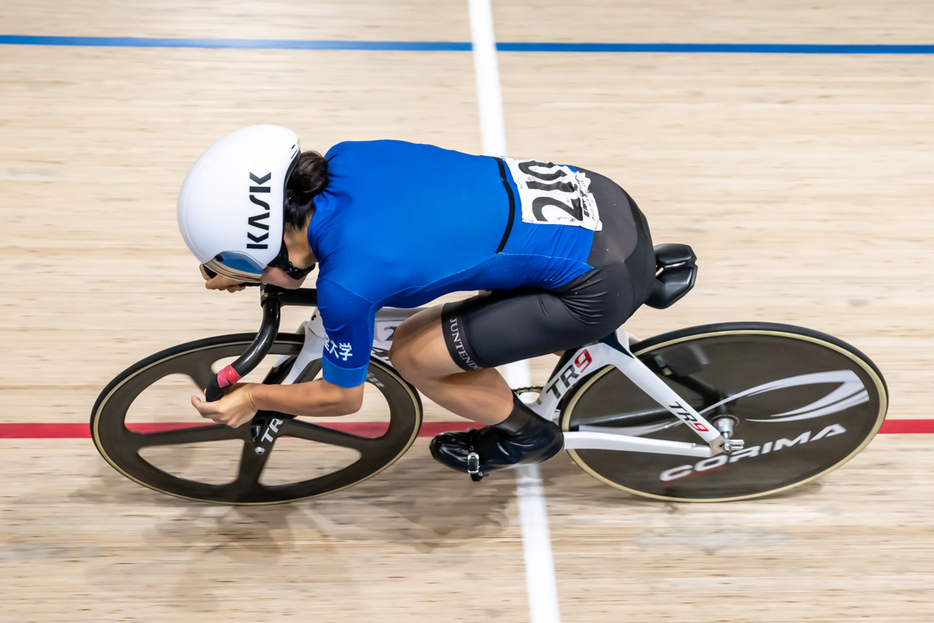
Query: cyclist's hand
x=220, y=282
x=234, y=409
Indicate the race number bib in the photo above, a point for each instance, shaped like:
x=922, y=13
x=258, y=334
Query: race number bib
x=552, y=194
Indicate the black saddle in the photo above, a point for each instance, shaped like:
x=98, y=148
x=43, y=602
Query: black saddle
x=675, y=272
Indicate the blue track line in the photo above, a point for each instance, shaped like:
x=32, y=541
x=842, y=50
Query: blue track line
x=245, y=44
x=459, y=46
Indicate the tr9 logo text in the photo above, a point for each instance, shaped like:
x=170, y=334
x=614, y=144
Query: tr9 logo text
x=570, y=372
x=686, y=416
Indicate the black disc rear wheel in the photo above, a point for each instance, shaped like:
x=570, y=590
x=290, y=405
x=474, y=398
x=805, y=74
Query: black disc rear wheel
x=144, y=426
x=803, y=402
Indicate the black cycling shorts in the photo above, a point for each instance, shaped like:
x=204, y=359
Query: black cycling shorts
x=503, y=326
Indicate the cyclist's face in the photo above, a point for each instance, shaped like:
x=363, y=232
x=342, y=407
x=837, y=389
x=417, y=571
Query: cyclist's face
x=301, y=256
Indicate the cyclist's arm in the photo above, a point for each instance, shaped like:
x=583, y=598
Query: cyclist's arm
x=276, y=277
x=348, y=319
x=314, y=398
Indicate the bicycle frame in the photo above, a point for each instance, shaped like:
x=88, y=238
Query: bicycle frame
x=613, y=350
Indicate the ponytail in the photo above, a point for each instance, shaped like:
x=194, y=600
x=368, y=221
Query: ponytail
x=308, y=178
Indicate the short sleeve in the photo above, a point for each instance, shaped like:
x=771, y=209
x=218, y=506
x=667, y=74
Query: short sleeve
x=348, y=319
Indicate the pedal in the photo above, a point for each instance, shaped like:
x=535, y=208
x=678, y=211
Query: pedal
x=473, y=467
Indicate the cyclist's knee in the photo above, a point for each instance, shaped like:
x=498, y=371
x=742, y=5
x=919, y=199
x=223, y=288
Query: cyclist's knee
x=411, y=361
x=403, y=358
x=421, y=355
x=411, y=346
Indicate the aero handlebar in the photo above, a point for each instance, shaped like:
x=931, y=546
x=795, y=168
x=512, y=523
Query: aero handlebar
x=272, y=299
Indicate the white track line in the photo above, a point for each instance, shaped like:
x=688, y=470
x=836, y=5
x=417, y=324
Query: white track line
x=536, y=547
x=536, y=537
x=492, y=127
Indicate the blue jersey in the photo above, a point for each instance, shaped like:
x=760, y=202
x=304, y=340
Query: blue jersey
x=401, y=224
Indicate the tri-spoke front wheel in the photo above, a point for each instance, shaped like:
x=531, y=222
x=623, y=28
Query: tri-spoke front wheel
x=144, y=426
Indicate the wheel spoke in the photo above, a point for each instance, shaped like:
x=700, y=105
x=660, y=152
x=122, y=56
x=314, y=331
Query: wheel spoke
x=251, y=466
x=191, y=434
x=330, y=436
x=199, y=371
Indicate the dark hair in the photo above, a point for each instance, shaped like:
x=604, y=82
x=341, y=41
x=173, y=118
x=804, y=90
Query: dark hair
x=308, y=178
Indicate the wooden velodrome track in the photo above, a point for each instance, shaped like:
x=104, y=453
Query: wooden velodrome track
x=803, y=181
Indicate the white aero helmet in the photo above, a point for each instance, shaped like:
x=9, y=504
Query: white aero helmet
x=230, y=207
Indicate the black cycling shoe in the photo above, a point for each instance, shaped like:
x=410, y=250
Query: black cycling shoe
x=521, y=439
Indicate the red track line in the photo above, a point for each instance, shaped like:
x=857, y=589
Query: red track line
x=907, y=426
x=83, y=431
x=367, y=429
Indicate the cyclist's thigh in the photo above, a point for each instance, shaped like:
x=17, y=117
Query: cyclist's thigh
x=501, y=327
x=418, y=342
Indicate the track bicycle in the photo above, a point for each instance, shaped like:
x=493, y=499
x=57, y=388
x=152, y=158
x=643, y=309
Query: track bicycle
x=719, y=412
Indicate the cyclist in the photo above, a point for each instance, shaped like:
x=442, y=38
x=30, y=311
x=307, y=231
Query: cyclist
x=563, y=255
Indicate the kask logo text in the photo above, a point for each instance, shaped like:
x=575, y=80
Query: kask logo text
x=258, y=241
